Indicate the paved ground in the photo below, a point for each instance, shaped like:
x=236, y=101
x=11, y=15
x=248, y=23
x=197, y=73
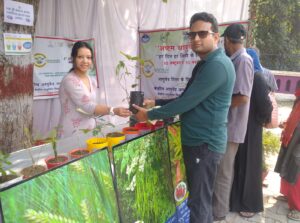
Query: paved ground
x=275, y=210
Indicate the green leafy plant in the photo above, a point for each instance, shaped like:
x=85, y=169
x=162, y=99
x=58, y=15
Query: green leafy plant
x=275, y=31
x=98, y=130
x=4, y=161
x=34, y=168
x=28, y=142
x=123, y=72
x=52, y=138
x=81, y=191
x=271, y=146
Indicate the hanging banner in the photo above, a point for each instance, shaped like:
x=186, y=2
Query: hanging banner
x=168, y=61
x=52, y=61
x=168, y=64
x=18, y=13
x=17, y=44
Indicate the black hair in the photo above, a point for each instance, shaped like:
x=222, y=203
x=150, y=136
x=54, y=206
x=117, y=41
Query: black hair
x=206, y=17
x=75, y=49
x=235, y=41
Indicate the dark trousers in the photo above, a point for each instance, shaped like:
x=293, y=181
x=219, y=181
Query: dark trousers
x=201, y=169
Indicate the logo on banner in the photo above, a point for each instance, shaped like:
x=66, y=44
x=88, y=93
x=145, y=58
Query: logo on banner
x=145, y=38
x=39, y=60
x=148, y=69
x=180, y=191
x=186, y=36
x=164, y=37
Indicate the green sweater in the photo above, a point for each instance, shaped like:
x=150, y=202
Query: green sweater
x=203, y=107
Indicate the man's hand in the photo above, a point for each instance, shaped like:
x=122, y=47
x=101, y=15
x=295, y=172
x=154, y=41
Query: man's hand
x=141, y=115
x=149, y=103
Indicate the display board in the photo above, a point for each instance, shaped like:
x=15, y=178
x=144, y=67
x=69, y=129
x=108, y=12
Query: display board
x=178, y=172
x=52, y=61
x=143, y=179
x=168, y=60
x=80, y=191
x=147, y=184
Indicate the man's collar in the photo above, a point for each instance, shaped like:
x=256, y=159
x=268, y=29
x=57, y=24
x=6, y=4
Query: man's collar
x=212, y=54
x=237, y=53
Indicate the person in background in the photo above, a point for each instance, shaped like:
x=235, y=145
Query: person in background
x=203, y=109
x=288, y=162
x=77, y=94
x=246, y=192
x=234, y=36
x=267, y=74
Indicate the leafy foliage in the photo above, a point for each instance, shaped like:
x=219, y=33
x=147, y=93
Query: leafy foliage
x=144, y=180
x=276, y=33
x=52, y=138
x=123, y=71
x=3, y=162
x=271, y=145
x=97, y=131
x=78, y=192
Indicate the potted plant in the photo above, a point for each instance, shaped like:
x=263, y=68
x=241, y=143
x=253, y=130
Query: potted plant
x=55, y=160
x=124, y=75
x=114, y=138
x=98, y=141
x=123, y=72
x=34, y=169
x=131, y=132
x=6, y=174
x=271, y=146
x=78, y=152
x=144, y=127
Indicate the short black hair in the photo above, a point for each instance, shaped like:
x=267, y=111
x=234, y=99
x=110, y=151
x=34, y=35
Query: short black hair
x=206, y=17
x=235, y=33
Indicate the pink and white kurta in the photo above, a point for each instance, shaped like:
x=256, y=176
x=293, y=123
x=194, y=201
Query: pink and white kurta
x=73, y=94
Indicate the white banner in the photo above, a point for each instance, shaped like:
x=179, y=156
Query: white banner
x=18, y=13
x=52, y=61
x=169, y=61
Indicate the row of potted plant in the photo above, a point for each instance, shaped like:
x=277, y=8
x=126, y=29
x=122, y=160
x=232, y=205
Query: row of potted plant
x=56, y=159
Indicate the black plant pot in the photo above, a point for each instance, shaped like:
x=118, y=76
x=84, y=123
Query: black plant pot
x=137, y=98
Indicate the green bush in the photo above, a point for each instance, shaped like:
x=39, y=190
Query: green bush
x=271, y=146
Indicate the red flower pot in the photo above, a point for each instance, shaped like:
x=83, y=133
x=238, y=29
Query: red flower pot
x=55, y=161
x=77, y=153
x=131, y=132
x=144, y=127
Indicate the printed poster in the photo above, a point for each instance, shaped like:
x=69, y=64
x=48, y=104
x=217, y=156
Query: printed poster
x=17, y=44
x=18, y=13
x=169, y=61
x=52, y=61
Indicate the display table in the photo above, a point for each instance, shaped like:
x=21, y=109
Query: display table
x=148, y=183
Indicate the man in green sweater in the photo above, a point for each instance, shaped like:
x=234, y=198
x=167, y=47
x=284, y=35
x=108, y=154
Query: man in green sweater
x=203, y=109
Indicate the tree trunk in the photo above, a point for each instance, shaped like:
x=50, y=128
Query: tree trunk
x=16, y=87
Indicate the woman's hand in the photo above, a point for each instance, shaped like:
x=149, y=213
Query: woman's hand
x=122, y=112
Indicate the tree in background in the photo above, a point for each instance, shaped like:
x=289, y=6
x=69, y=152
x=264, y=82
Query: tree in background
x=275, y=30
x=15, y=87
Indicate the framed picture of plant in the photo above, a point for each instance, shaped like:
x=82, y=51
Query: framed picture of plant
x=79, y=191
x=143, y=179
x=178, y=171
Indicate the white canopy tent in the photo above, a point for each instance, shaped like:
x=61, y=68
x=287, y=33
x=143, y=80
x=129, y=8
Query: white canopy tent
x=114, y=24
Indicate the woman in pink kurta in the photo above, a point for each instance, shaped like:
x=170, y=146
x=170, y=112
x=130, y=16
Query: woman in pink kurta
x=77, y=95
